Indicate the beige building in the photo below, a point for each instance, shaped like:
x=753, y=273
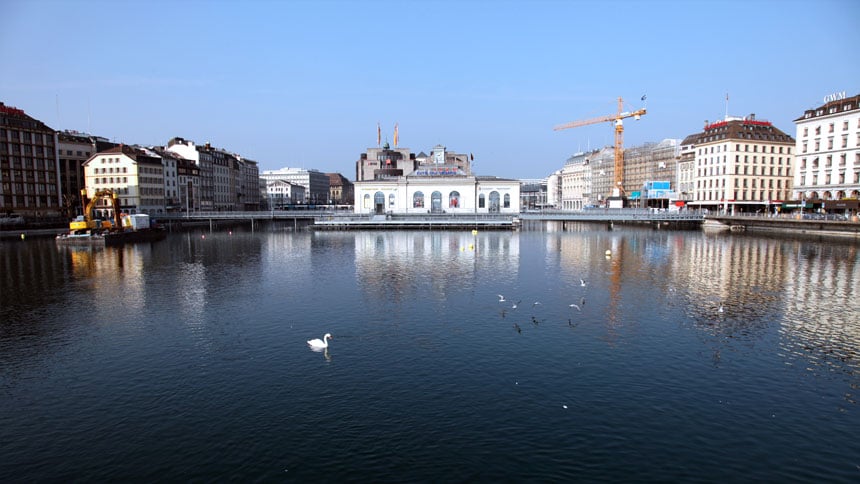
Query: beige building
x=741, y=165
x=341, y=190
x=135, y=175
x=73, y=149
x=828, y=150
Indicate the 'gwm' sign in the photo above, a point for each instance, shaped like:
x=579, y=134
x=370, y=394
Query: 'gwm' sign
x=836, y=96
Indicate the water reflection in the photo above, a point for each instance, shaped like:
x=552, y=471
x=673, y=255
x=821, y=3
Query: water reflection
x=162, y=338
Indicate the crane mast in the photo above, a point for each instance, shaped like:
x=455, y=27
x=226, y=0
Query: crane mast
x=617, y=118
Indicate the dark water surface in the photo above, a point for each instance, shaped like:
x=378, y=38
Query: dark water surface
x=186, y=359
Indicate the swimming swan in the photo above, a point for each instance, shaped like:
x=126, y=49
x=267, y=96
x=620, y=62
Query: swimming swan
x=320, y=343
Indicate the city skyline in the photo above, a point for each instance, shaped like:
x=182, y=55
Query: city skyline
x=301, y=84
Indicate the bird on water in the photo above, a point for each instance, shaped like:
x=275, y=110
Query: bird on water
x=320, y=343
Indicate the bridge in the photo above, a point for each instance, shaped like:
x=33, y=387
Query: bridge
x=344, y=220
x=642, y=215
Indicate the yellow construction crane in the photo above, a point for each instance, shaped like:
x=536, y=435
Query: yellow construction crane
x=617, y=118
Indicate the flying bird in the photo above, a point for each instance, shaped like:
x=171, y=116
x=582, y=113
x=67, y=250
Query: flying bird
x=575, y=306
x=582, y=282
x=501, y=298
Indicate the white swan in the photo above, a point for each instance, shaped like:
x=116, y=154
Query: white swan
x=319, y=343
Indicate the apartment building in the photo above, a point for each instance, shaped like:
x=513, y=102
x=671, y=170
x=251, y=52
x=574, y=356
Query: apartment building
x=741, y=165
x=828, y=151
x=29, y=171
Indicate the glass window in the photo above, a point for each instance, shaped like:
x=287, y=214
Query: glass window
x=454, y=199
x=418, y=200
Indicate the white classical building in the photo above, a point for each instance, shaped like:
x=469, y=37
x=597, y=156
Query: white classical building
x=828, y=150
x=438, y=194
x=283, y=193
x=395, y=181
x=315, y=183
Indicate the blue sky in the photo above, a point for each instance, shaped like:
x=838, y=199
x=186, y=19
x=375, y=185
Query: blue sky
x=304, y=84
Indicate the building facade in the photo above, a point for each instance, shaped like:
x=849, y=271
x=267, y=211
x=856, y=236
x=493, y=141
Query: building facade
x=134, y=174
x=341, y=190
x=73, y=149
x=29, y=167
x=437, y=194
x=828, y=151
x=283, y=194
x=741, y=164
x=647, y=164
x=316, y=183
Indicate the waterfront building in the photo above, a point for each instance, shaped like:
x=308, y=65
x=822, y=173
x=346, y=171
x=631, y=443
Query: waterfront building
x=575, y=182
x=379, y=163
x=248, y=193
x=439, y=183
x=316, y=183
x=341, y=190
x=741, y=164
x=828, y=151
x=686, y=181
x=135, y=174
x=281, y=194
x=180, y=177
x=435, y=193
x=553, y=190
x=647, y=164
x=601, y=164
x=533, y=193
x=73, y=149
x=29, y=167
x=202, y=157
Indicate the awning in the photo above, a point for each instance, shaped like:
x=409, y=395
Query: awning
x=635, y=195
x=841, y=204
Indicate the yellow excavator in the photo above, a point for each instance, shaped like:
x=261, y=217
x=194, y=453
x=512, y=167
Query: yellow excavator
x=87, y=222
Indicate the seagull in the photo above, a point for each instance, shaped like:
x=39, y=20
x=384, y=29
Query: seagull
x=535, y=303
x=501, y=298
x=516, y=303
x=576, y=306
x=319, y=344
x=721, y=309
x=582, y=282
x=517, y=327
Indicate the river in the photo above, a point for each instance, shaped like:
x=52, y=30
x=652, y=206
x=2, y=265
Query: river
x=688, y=356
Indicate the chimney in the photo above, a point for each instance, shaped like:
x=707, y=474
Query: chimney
x=752, y=116
x=706, y=123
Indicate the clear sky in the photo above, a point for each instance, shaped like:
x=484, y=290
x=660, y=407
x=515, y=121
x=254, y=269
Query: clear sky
x=304, y=84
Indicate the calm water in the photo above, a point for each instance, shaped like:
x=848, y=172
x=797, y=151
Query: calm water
x=186, y=359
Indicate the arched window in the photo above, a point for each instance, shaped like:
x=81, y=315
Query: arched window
x=454, y=199
x=418, y=200
x=494, y=201
x=482, y=202
x=507, y=200
x=436, y=202
x=367, y=201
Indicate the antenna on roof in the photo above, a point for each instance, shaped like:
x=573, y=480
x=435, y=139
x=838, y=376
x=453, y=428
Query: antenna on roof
x=727, y=105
